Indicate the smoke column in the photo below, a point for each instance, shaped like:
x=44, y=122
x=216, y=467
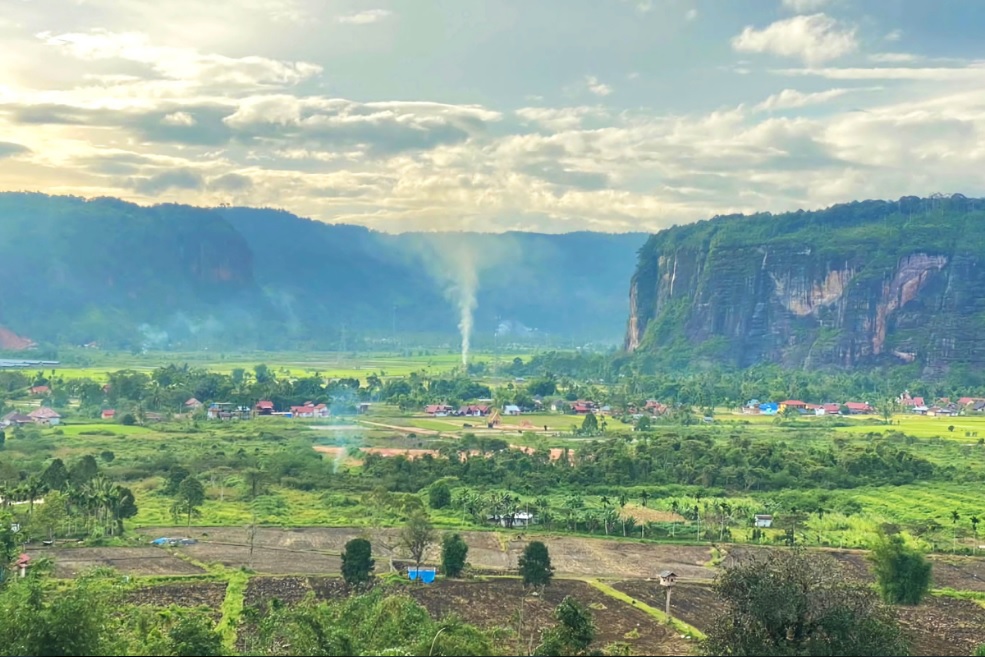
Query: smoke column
x=464, y=291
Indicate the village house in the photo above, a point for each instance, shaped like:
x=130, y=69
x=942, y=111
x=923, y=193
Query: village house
x=582, y=407
x=46, y=416
x=40, y=391
x=654, y=407
x=264, y=407
x=15, y=419
x=763, y=521
x=310, y=410
x=473, y=410
x=795, y=404
x=193, y=404
x=108, y=414
x=519, y=519
x=511, y=409
x=859, y=408
x=438, y=410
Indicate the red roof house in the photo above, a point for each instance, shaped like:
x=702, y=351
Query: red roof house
x=582, y=407
x=793, y=403
x=310, y=410
x=858, y=408
x=264, y=407
x=40, y=390
x=109, y=414
x=193, y=404
x=437, y=409
x=831, y=408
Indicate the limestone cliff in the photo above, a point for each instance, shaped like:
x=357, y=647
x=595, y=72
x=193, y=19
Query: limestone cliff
x=856, y=284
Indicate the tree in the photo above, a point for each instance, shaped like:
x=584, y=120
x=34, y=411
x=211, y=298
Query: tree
x=357, y=562
x=573, y=633
x=83, y=470
x=439, y=495
x=454, y=552
x=902, y=573
x=176, y=475
x=51, y=515
x=417, y=536
x=3, y=438
x=55, y=476
x=590, y=425
x=795, y=603
x=191, y=495
x=535, y=565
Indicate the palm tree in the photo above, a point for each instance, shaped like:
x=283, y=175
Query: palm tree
x=974, y=528
x=955, y=516
x=623, y=500
x=33, y=488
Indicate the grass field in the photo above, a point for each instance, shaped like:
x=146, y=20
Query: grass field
x=332, y=365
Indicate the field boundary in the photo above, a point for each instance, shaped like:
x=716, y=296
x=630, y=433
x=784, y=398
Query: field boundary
x=679, y=625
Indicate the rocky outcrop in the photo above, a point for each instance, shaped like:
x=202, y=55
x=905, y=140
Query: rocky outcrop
x=857, y=284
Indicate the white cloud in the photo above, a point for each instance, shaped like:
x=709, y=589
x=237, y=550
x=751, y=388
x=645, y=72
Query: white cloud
x=179, y=118
x=815, y=39
x=691, y=14
x=894, y=58
x=804, y=6
x=365, y=17
x=973, y=72
x=895, y=35
x=596, y=87
x=791, y=98
x=175, y=63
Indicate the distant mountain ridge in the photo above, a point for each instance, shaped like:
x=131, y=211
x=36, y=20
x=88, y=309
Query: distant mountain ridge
x=857, y=284
x=77, y=271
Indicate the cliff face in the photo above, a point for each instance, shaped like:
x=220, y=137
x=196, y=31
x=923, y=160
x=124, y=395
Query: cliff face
x=856, y=284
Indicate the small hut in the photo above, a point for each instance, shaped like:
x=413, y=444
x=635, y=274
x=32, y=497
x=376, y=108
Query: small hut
x=667, y=580
x=23, y=562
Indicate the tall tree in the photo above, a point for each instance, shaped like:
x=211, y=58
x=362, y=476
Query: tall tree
x=357, y=562
x=535, y=565
x=795, y=603
x=454, y=552
x=417, y=536
x=191, y=495
x=902, y=573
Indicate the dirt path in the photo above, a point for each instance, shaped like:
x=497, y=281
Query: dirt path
x=423, y=432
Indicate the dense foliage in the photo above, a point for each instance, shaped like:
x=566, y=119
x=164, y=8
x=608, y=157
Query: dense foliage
x=902, y=572
x=535, y=565
x=357, y=562
x=454, y=553
x=794, y=603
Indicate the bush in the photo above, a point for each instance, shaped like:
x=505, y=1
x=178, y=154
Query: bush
x=357, y=562
x=439, y=496
x=454, y=552
x=902, y=573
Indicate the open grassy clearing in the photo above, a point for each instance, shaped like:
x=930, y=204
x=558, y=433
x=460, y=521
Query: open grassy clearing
x=328, y=364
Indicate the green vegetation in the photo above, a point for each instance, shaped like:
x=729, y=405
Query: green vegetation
x=417, y=536
x=357, y=562
x=572, y=634
x=454, y=553
x=695, y=305
x=535, y=565
x=902, y=573
x=792, y=603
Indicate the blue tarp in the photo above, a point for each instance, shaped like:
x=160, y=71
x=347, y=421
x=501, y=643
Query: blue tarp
x=769, y=408
x=426, y=575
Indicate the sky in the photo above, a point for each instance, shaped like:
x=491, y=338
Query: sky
x=541, y=115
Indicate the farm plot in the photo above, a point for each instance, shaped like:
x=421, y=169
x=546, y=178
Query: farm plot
x=142, y=561
x=182, y=594
x=291, y=590
x=496, y=603
x=695, y=604
x=314, y=550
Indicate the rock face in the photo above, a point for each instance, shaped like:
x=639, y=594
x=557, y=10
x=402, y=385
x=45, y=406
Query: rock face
x=856, y=284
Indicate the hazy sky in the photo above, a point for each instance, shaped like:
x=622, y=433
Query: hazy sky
x=549, y=115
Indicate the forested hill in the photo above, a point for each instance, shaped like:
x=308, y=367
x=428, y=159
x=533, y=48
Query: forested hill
x=125, y=276
x=856, y=284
